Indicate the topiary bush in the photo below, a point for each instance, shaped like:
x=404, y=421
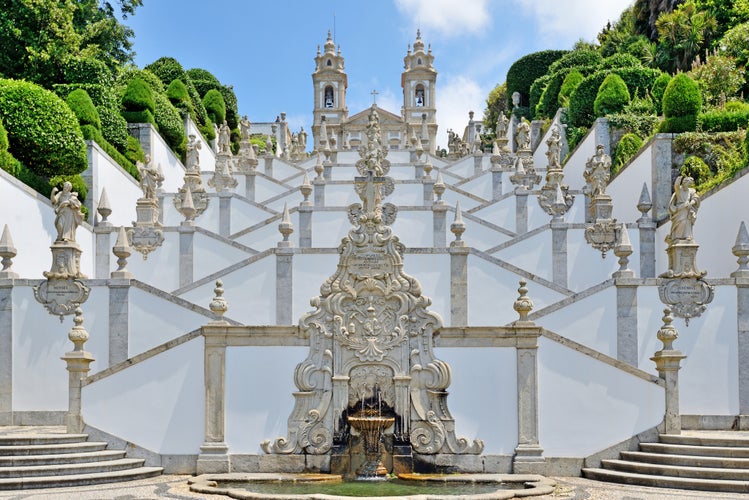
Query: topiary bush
x=170, y=124
x=87, y=70
x=628, y=147
x=526, y=70
x=723, y=120
x=657, y=90
x=215, y=106
x=612, y=95
x=84, y=109
x=682, y=102
x=180, y=97
x=138, y=102
x=537, y=91
x=203, y=80
x=168, y=69
x=577, y=59
x=42, y=130
x=569, y=84
x=620, y=60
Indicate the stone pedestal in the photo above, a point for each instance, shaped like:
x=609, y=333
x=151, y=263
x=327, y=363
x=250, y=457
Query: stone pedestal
x=647, y=248
x=78, y=366
x=119, y=313
x=682, y=261
x=305, y=225
x=742, y=299
x=428, y=183
x=6, y=351
x=521, y=210
x=559, y=252
x=284, y=285
x=146, y=235
x=186, y=253
x=528, y=457
x=668, y=364
x=458, y=284
x=249, y=186
x=319, y=192
x=214, y=453
x=439, y=224
x=224, y=213
x=103, y=249
x=496, y=183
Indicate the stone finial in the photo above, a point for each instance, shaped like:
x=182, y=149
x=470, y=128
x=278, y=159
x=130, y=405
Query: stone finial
x=122, y=251
x=218, y=305
x=458, y=227
x=623, y=250
x=439, y=188
x=741, y=250
x=188, y=206
x=667, y=333
x=78, y=334
x=523, y=304
x=644, y=204
x=306, y=189
x=286, y=227
x=7, y=252
x=419, y=148
x=319, y=168
x=103, y=208
x=428, y=167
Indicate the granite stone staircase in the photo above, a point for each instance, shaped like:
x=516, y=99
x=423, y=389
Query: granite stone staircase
x=693, y=460
x=47, y=457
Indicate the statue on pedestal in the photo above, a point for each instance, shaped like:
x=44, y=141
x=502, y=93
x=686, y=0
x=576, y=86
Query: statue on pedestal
x=68, y=215
x=150, y=177
x=682, y=209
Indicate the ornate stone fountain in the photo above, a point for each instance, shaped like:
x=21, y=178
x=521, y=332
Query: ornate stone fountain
x=371, y=365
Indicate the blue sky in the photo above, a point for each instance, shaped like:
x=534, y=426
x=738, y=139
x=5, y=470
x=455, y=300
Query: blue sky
x=266, y=49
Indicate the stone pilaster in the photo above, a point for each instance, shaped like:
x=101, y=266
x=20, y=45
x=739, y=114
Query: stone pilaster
x=224, y=213
x=559, y=252
x=428, y=183
x=319, y=191
x=626, y=320
x=78, y=362
x=667, y=362
x=186, y=252
x=458, y=285
x=6, y=351
x=603, y=136
x=119, y=313
x=496, y=183
x=103, y=248
x=477, y=160
x=160, y=198
x=214, y=457
x=521, y=210
x=268, y=166
x=284, y=285
x=742, y=320
x=439, y=224
x=662, y=184
x=305, y=225
x=249, y=186
x=647, y=248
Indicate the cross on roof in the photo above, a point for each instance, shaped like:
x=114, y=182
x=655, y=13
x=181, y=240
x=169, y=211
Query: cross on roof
x=374, y=96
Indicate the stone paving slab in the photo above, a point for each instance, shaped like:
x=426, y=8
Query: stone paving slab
x=174, y=486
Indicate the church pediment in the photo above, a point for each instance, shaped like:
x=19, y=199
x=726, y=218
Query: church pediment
x=386, y=118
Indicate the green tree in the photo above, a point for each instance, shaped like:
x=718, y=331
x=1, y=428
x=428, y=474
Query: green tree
x=496, y=103
x=718, y=78
x=612, y=95
x=682, y=34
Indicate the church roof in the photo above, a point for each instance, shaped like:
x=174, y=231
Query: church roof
x=362, y=117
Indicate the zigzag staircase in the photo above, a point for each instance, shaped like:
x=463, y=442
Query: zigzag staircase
x=694, y=460
x=47, y=457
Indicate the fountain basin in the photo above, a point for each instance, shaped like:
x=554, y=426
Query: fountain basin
x=407, y=486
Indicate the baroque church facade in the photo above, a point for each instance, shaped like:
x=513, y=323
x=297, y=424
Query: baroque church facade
x=333, y=127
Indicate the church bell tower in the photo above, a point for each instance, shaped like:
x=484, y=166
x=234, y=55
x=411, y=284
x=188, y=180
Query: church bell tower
x=330, y=82
x=418, y=81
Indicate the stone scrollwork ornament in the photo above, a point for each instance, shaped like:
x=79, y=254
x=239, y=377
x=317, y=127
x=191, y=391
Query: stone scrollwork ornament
x=371, y=340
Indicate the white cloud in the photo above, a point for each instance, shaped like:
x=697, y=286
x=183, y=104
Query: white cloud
x=563, y=23
x=455, y=98
x=446, y=17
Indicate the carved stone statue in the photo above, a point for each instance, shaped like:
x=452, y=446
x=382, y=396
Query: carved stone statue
x=555, y=148
x=192, y=162
x=68, y=215
x=150, y=177
x=523, y=135
x=683, y=211
x=224, y=146
x=302, y=138
x=244, y=128
x=598, y=172
x=501, y=130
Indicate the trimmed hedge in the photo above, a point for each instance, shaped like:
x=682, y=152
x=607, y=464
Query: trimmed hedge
x=215, y=106
x=3, y=137
x=723, y=121
x=526, y=70
x=134, y=152
x=612, y=95
x=42, y=130
x=84, y=109
x=628, y=146
x=536, y=94
x=138, y=98
x=682, y=102
x=657, y=90
x=87, y=70
x=91, y=133
x=620, y=60
x=569, y=84
x=168, y=69
x=576, y=59
x=582, y=100
x=203, y=80
x=180, y=97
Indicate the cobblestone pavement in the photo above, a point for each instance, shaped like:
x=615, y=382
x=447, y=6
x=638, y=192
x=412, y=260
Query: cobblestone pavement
x=170, y=486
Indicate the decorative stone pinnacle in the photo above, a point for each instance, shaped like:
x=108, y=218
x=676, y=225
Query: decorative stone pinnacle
x=523, y=305
x=458, y=227
x=218, y=305
x=188, y=206
x=439, y=188
x=78, y=334
x=103, y=208
x=122, y=251
x=667, y=333
x=7, y=252
x=306, y=189
x=319, y=168
x=741, y=250
x=286, y=227
x=644, y=204
x=428, y=167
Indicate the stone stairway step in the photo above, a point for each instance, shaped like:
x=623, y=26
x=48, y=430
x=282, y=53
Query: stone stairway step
x=39, y=439
x=49, y=449
x=676, y=470
x=686, y=460
x=70, y=468
x=719, y=440
x=68, y=458
x=667, y=481
x=707, y=451
x=78, y=479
